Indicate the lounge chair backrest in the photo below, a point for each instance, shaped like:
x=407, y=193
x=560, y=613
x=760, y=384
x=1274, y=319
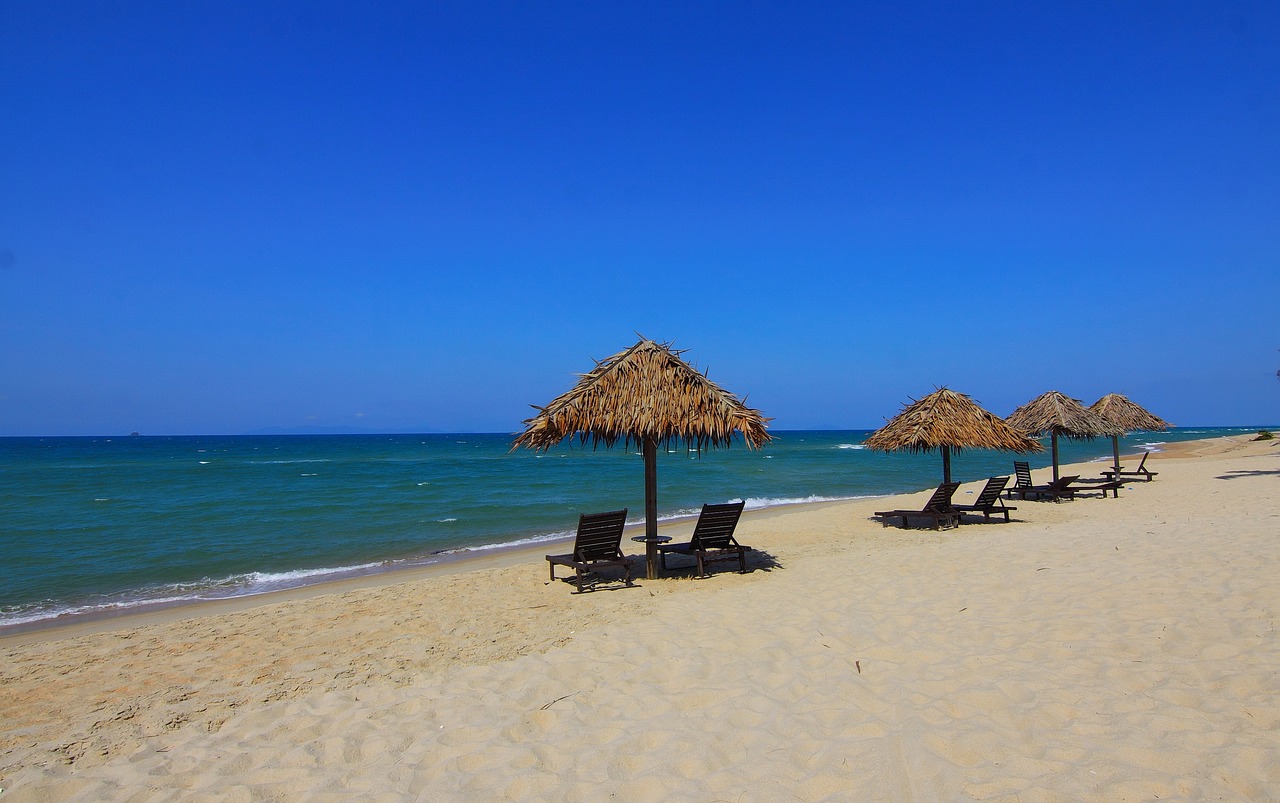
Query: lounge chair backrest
x=715, y=526
x=600, y=536
x=1141, y=463
x=991, y=492
x=1022, y=470
x=941, y=499
x=1062, y=482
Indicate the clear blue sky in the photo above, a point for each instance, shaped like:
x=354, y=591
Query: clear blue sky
x=217, y=217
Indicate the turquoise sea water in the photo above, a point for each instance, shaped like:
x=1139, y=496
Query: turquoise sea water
x=97, y=524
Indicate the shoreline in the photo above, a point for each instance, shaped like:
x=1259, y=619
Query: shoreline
x=247, y=583
x=1099, y=649
x=447, y=563
x=455, y=563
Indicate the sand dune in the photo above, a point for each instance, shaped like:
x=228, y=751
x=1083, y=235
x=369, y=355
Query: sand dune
x=1093, y=650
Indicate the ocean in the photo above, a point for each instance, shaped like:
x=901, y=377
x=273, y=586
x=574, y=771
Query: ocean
x=95, y=525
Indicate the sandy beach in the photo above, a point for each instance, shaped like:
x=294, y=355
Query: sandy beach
x=1100, y=649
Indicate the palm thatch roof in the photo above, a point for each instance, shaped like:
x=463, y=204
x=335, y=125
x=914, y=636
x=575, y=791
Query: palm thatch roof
x=946, y=418
x=1060, y=415
x=645, y=393
x=1128, y=415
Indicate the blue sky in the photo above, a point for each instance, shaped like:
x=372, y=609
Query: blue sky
x=220, y=217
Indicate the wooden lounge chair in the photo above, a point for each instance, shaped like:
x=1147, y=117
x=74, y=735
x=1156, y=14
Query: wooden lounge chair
x=1022, y=478
x=598, y=545
x=1142, y=472
x=938, y=509
x=712, y=539
x=988, y=501
x=1054, y=491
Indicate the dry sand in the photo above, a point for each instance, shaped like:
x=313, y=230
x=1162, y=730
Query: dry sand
x=1117, y=649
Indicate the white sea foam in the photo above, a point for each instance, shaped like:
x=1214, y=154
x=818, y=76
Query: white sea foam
x=289, y=462
x=239, y=585
x=851, y=446
x=781, y=501
x=39, y=614
x=272, y=581
x=533, y=539
x=757, y=503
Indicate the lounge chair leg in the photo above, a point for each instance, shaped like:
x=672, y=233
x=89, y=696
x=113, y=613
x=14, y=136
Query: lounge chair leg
x=579, y=581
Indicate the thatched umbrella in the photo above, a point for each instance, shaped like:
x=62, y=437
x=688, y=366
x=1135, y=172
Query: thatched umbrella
x=645, y=395
x=1127, y=415
x=1060, y=415
x=946, y=420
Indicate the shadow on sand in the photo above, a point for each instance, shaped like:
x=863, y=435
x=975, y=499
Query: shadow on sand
x=1235, y=475
x=612, y=579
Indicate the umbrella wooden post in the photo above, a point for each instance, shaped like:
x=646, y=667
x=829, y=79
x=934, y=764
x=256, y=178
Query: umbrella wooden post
x=651, y=508
x=1115, y=450
x=1055, y=456
x=946, y=464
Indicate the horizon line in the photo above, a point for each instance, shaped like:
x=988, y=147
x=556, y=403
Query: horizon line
x=275, y=432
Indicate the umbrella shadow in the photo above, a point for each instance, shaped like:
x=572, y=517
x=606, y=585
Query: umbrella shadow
x=1235, y=475
x=614, y=580
x=924, y=525
x=601, y=580
x=757, y=559
x=967, y=520
x=976, y=518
